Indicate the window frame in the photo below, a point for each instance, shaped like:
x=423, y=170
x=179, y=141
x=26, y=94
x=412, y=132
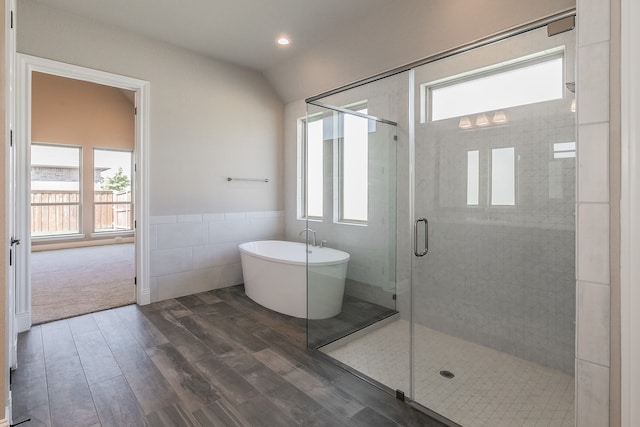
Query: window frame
x=303, y=167
x=473, y=154
x=514, y=168
x=130, y=203
x=79, y=204
x=360, y=107
x=335, y=170
x=485, y=177
x=426, y=89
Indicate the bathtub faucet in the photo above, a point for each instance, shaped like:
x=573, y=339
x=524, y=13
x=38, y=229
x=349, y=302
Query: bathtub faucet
x=308, y=230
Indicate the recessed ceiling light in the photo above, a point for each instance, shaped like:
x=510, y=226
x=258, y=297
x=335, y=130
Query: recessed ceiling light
x=283, y=41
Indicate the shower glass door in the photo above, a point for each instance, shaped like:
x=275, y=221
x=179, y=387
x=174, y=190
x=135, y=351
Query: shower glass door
x=493, y=273
x=350, y=209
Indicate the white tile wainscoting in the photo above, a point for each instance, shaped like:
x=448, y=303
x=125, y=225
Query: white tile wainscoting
x=196, y=253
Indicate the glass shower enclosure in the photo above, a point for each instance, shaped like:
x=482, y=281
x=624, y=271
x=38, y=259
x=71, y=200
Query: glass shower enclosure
x=351, y=207
x=460, y=288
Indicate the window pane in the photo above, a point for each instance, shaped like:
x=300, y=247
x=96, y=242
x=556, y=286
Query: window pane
x=564, y=150
x=55, y=190
x=315, y=169
x=112, y=170
x=355, y=176
x=113, y=217
x=473, y=177
x=503, y=184
x=528, y=84
x=113, y=209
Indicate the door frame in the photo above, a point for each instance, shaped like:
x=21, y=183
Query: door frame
x=11, y=337
x=25, y=66
x=630, y=214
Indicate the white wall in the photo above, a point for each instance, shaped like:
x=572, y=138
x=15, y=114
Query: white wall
x=209, y=120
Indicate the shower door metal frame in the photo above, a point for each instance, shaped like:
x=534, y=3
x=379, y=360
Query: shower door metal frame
x=499, y=36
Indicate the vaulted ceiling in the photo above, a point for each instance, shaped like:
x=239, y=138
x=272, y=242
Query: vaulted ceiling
x=243, y=32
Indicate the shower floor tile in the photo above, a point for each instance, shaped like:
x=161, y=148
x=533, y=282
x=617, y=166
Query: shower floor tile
x=490, y=388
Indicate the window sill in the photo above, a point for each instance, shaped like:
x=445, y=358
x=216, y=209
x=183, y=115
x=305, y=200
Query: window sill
x=105, y=234
x=57, y=237
x=356, y=224
x=311, y=219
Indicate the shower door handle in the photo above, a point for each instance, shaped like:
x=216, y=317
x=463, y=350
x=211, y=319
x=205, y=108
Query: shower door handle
x=426, y=237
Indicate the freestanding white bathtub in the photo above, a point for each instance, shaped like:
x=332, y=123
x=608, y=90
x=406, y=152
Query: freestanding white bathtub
x=275, y=276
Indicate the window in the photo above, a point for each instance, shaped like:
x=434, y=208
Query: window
x=55, y=190
x=497, y=187
x=521, y=82
x=312, y=168
x=473, y=177
x=348, y=165
x=503, y=181
x=112, y=198
x=354, y=168
x=564, y=150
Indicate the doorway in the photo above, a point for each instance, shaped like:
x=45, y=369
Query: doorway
x=136, y=207
x=82, y=236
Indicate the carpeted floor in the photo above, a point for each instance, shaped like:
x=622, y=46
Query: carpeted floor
x=69, y=282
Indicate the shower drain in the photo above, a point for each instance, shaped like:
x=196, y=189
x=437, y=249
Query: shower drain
x=447, y=374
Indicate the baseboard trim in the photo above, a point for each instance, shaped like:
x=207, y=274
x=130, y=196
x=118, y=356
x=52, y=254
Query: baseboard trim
x=6, y=422
x=23, y=324
x=144, y=297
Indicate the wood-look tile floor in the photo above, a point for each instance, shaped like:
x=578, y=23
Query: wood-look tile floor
x=356, y=314
x=212, y=359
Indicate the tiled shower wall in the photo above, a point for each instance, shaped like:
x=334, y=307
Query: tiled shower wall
x=501, y=276
x=196, y=253
x=593, y=358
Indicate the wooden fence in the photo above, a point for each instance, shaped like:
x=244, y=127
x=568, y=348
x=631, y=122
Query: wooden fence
x=58, y=212
x=112, y=210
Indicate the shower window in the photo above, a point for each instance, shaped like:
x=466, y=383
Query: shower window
x=564, y=150
x=523, y=81
x=311, y=168
x=354, y=165
x=503, y=176
x=501, y=173
x=348, y=161
x=473, y=177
